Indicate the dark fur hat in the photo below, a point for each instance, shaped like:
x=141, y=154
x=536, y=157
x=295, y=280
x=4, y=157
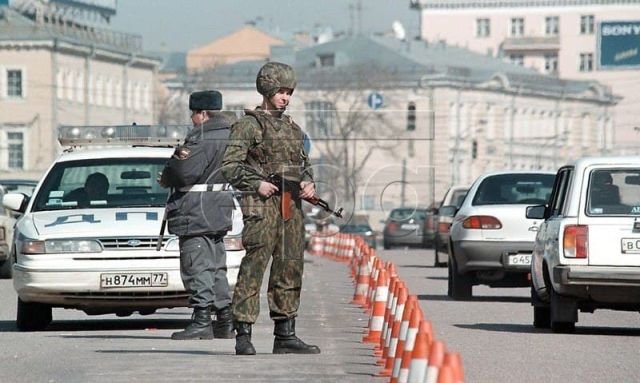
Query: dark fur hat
x=205, y=100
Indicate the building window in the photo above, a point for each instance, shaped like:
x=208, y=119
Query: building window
x=483, y=27
x=517, y=27
x=60, y=84
x=14, y=83
x=320, y=118
x=551, y=25
x=80, y=87
x=327, y=60
x=586, y=62
x=587, y=25
x=15, y=144
x=551, y=63
x=68, y=85
x=517, y=59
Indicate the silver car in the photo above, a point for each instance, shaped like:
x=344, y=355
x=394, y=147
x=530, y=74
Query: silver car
x=587, y=252
x=491, y=240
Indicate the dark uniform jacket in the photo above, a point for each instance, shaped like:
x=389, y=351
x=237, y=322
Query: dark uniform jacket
x=198, y=161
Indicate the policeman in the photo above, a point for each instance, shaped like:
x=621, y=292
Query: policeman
x=263, y=142
x=199, y=212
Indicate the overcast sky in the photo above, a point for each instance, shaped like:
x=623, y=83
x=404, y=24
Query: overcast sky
x=179, y=25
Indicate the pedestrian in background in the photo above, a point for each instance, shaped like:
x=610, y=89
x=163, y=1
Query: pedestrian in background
x=267, y=141
x=201, y=216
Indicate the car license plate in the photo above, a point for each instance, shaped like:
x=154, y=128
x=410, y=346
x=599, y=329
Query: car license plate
x=631, y=245
x=134, y=280
x=519, y=259
x=409, y=226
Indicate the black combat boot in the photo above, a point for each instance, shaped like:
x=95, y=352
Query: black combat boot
x=243, y=339
x=199, y=328
x=286, y=341
x=223, y=325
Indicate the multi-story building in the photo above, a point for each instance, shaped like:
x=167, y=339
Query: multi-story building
x=571, y=39
x=55, y=71
x=396, y=123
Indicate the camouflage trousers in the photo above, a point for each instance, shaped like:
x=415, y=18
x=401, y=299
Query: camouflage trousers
x=266, y=237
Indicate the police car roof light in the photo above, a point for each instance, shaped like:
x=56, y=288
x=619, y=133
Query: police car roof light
x=150, y=135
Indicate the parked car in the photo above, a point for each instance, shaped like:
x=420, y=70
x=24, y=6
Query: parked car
x=362, y=230
x=407, y=226
x=8, y=220
x=491, y=239
x=15, y=185
x=587, y=253
x=443, y=218
x=97, y=253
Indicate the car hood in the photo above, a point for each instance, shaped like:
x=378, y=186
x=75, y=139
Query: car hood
x=94, y=222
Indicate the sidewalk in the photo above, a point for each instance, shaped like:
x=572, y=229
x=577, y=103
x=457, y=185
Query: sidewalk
x=326, y=318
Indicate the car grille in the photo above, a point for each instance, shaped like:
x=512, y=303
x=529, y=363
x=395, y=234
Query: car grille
x=136, y=243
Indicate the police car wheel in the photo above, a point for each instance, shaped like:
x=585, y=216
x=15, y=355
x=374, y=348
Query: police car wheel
x=5, y=269
x=32, y=316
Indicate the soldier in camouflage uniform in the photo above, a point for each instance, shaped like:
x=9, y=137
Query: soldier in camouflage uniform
x=201, y=217
x=263, y=142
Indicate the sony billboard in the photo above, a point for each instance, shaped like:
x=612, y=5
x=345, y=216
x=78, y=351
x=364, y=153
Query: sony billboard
x=619, y=44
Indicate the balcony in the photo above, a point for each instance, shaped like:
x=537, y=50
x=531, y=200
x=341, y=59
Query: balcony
x=531, y=44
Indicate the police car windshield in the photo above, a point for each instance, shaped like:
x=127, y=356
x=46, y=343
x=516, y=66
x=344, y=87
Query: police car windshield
x=102, y=183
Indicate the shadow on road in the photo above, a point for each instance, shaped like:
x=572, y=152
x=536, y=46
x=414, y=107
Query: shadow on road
x=527, y=328
x=444, y=297
x=147, y=351
x=105, y=325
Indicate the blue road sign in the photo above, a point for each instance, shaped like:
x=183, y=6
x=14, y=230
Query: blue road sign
x=619, y=44
x=375, y=100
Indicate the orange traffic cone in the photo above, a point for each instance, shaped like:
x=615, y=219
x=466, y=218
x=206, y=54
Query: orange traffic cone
x=377, y=314
x=394, y=286
x=453, y=362
x=394, y=335
x=419, y=359
x=436, y=359
x=362, y=283
x=409, y=308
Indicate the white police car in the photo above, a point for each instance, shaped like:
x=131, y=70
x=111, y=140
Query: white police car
x=81, y=248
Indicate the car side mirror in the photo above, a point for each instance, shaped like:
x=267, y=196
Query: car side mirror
x=15, y=202
x=536, y=211
x=448, y=211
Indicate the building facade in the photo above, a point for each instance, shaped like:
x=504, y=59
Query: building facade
x=396, y=123
x=58, y=73
x=570, y=39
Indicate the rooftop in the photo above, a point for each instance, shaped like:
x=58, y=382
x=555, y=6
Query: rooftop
x=387, y=62
x=461, y=4
x=15, y=26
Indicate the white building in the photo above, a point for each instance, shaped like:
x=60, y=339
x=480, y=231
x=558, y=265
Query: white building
x=396, y=123
x=57, y=72
x=556, y=37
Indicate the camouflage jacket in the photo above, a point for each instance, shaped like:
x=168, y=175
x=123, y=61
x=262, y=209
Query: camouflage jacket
x=261, y=144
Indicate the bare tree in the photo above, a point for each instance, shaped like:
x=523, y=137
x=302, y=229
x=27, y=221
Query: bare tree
x=345, y=130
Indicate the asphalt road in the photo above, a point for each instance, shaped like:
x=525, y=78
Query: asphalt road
x=493, y=332
x=498, y=343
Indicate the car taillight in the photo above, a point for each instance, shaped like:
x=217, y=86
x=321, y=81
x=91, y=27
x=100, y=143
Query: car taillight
x=392, y=226
x=575, y=242
x=443, y=227
x=484, y=222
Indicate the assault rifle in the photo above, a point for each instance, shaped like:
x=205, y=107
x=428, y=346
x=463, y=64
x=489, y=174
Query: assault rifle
x=290, y=190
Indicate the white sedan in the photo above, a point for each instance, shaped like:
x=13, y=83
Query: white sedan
x=99, y=254
x=587, y=253
x=491, y=240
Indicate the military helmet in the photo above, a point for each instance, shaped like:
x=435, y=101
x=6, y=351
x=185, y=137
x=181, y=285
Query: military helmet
x=273, y=76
